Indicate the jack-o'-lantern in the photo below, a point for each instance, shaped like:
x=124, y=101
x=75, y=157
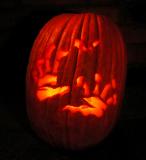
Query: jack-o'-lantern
x=75, y=80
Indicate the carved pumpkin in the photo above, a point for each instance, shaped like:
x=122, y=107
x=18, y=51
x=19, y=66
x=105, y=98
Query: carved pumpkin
x=75, y=80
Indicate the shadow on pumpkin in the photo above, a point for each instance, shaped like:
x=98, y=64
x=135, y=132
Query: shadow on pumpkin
x=110, y=148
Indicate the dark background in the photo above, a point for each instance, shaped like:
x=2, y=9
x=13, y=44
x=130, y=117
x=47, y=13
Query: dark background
x=20, y=22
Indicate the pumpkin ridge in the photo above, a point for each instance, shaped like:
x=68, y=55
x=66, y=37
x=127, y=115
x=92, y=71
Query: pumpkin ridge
x=79, y=61
x=75, y=83
x=108, y=61
x=71, y=86
x=59, y=39
x=67, y=29
x=42, y=36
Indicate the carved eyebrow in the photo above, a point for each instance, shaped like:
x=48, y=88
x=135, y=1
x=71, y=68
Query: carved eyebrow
x=95, y=43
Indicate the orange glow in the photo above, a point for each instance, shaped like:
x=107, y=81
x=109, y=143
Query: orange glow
x=95, y=43
x=98, y=78
x=96, y=90
x=86, y=89
x=115, y=97
x=75, y=79
x=105, y=91
x=49, y=51
x=99, y=100
x=84, y=85
x=77, y=43
x=114, y=83
x=109, y=101
x=48, y=54
x=80, y=81
x=95, y=102
x=48, y=79
x=48, y=92
x=95, y=107
x=80, y=44
x=64, y=90
x=60, y=55
x=39, y=67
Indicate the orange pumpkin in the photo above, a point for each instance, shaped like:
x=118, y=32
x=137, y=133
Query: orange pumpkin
x=75, y=80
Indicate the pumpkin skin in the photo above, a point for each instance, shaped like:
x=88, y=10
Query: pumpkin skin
x=75, y=80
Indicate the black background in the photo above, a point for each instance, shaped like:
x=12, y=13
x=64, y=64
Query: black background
x=17, y=140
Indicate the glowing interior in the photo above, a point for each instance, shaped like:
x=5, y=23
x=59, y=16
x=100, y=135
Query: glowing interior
x=80, y=81
x=98, y=102
x=95, y=43
x=98, y=78
x=95, y=104
x=48, y=54
x=48, y=79
x=48, y=92
x=43, y=66
x=80, y=45
x=93, y=101
x=60, y=55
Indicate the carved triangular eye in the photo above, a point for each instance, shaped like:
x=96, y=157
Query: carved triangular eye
x=95, y=43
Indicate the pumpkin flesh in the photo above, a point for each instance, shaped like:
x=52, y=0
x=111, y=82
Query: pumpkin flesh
x=75, y=80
